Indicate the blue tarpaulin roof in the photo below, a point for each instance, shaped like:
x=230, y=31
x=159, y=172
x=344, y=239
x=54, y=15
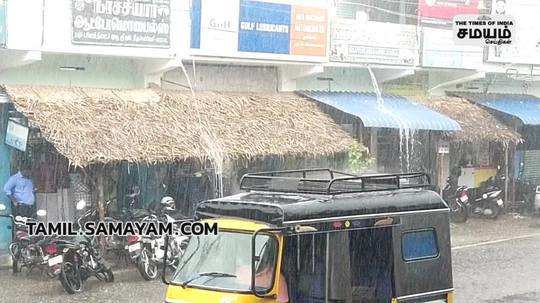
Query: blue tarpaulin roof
x=393, y=112
x=526, y=109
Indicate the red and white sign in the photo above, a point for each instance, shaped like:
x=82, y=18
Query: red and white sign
x=442, y=11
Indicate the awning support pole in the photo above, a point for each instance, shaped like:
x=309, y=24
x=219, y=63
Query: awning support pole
x=100, y=202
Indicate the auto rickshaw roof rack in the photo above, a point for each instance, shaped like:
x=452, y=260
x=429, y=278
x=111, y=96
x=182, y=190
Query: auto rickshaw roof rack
x=330, y=182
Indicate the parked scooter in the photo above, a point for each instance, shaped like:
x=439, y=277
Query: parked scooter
x=457, y=198
x=488, y=200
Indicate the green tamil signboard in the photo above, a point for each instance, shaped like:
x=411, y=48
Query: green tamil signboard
x=3, y=32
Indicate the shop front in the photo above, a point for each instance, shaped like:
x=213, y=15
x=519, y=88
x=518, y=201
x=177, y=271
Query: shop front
x=104, y=144
x=401, y=134
x=520, y=113
x=481, y=149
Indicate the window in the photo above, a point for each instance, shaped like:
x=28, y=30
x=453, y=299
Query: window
x=418, y=245
x=223, y=262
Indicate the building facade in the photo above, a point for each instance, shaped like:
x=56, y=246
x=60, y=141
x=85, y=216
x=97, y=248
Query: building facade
x=363, y=47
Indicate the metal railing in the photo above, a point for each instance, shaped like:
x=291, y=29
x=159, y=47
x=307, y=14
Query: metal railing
x=330, y=182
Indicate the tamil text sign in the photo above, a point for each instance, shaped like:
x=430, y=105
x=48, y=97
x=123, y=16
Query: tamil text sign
x=16, y=135
x=143, y=23
x=353, y=41
x=484, y=30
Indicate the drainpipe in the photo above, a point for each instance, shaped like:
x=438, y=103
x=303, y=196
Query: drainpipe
x=506, y=159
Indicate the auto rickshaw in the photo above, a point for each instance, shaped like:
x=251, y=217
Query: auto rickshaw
x=320, y=236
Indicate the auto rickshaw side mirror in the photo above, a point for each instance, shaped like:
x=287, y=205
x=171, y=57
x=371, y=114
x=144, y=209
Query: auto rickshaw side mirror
x=164, y=278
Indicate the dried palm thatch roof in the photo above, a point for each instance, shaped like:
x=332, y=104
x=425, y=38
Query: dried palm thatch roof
x=477, y=124
x=89, y=125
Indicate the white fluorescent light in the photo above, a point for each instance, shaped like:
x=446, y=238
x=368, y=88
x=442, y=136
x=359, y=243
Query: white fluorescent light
x=72, y=68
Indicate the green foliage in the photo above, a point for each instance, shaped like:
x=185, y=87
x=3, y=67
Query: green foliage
x=358, y=158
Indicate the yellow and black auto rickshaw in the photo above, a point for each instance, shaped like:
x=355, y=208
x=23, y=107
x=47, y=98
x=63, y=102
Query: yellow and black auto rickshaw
x=320, y=236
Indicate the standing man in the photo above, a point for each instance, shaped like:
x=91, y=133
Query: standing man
x=20, y=190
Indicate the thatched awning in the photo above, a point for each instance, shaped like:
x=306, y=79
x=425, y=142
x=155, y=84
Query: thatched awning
x=477, y=124
x=89, y=125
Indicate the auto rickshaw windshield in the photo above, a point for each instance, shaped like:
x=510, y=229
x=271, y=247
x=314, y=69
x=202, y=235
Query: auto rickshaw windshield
x=223, y=262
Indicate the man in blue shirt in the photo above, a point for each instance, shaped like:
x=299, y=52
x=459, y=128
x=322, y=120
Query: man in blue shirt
x=20, y=190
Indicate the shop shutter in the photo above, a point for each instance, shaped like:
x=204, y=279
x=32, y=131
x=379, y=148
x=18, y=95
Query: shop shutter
x=531, y=165
x=3, y=97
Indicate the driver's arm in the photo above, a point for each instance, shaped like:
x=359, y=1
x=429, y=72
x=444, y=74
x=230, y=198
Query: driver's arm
x=283, y=290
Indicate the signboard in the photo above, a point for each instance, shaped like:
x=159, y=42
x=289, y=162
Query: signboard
x=441, y=12
x=526, y=49
x=16, y=135
x=3, y=31
x=264, y=27
x=353, y=41
x=439, y=50
x=443, y=147
x=142, y=23
x=484, y=30
x=260, y=30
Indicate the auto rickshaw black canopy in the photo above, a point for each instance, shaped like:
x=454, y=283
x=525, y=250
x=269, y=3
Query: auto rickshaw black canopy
x=284, y=198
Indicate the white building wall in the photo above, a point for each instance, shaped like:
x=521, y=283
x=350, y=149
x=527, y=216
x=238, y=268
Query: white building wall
x=343, y=79
x=501, y=85
x=224, y=78
x=105, y=72
x=24, y=24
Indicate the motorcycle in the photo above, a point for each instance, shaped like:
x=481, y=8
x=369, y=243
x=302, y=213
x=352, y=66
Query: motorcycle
x=82, y=259
x=488, y=202
x=32, y=251
x=149, y=250
x=457, y=198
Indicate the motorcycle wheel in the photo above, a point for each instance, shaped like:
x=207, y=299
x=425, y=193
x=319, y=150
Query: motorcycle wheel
x=147, y=268
x=105, y=275
x=70, y=277
x=17, y=266
x=458, y=212
x=495, y=211
x=15, y=252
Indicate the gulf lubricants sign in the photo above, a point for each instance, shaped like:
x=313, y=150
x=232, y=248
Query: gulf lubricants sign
x=259, y=30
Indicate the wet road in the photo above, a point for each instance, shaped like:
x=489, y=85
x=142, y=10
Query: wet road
x=127, y=287
x=501, y=271
x=507, y=271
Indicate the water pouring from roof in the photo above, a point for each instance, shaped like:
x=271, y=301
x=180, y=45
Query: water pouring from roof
x=403, y=126
x=208, y=141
